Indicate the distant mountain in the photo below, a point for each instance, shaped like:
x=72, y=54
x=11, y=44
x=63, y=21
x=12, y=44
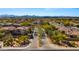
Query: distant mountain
x=7, y=16
x=14, y=16
x=34, y=16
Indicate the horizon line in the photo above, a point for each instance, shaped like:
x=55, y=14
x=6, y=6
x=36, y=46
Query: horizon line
x=38, y=15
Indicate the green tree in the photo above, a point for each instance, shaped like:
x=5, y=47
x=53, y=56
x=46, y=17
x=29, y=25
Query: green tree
x=25, y=24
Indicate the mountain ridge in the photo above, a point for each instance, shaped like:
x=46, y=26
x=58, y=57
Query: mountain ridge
x=34, y=16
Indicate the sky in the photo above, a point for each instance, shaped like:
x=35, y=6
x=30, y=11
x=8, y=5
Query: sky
x=40, y=11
